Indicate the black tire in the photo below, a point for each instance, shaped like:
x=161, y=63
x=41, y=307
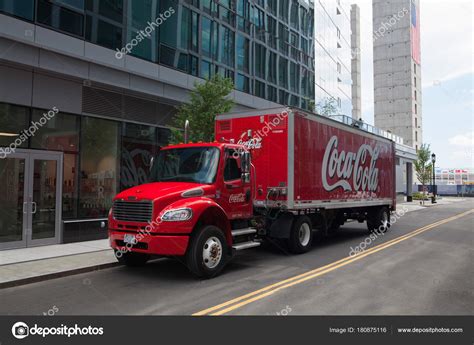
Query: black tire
x=378, y=220
x=300, y=240
x=196, y=259
x=132, y=259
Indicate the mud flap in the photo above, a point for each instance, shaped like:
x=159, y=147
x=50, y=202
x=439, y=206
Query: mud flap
x=281, y=227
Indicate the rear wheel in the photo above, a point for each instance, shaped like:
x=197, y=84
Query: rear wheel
x=301, y=235
x=131, y=259
x=379, y=220
x=207, y=252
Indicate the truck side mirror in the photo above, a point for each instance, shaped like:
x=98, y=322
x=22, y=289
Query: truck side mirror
x=245, y=166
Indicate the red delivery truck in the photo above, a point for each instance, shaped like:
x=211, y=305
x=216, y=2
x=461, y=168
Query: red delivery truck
x=279, y=173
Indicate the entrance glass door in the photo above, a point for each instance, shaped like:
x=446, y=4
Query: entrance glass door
x=30, y=212
x=13, y=215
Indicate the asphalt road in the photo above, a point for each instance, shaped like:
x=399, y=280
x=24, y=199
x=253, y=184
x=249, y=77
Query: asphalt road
x=429, y=271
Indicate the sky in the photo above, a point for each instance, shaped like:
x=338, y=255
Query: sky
x=447, y=69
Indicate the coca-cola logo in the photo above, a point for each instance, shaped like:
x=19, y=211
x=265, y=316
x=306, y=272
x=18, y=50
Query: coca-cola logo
x=250, y=143
x=234, y=198
x=347, y=166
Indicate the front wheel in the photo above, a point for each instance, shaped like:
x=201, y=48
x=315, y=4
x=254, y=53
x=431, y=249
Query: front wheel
x=301, y=235
x=207, y=252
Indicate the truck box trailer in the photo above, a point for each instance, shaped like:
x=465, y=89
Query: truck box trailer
x=315, y=161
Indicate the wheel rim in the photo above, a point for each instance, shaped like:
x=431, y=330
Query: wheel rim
x=212, y=252
x=304, y=234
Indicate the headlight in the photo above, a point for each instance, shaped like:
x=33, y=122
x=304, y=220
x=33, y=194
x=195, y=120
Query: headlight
x=177, y=215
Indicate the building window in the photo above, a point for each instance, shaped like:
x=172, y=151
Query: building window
x=294, y=77
x=416, y=122
x=416, y=109
x=139, y=144
x=206, y=41
x=24, y=9
x=13, y=120
x=226, y=12
x=414, y=81
x=205, y=69
x=283, y=10
x=259, y=20
x=283, y=37
x=243, y=16
x=104, y=23
x=283, y=99
x=272, y=67
x=283, y=73
x=140, y=13
x=294, y=14
x=272, y=6
x=98, y=177
x=242, y=54
x=272, y=32
x=260, y=55
x=259, y=89
x=189, y=31
x=61, y=18
x=210, y=7
x=242, y=83
x=272, y=93
x=415, y=95
x=227, y=46
x=416, y=136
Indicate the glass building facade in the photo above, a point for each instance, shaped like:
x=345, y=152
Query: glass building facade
x=60, y=182
x=333, y=55
x=265, y=46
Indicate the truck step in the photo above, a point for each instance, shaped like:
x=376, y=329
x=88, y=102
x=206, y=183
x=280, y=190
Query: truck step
x=245, y=245
x=240, y=232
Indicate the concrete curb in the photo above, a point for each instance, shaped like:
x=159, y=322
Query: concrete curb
x=49, y=276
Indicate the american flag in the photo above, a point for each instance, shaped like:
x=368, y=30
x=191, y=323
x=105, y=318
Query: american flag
x=415, y=32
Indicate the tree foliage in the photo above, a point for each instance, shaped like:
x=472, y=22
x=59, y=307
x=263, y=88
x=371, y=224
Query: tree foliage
x=326, y=107
x=207, y=100
x=423, y=166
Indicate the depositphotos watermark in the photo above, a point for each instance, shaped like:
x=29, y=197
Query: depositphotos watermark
x=21, y=330
x=27, y=133
x=380, y=231
x=145, y=33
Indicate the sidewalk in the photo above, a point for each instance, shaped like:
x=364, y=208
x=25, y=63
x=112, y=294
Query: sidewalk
x=417, y=205
x=29, y=265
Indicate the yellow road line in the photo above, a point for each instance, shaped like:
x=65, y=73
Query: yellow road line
x=271, y=289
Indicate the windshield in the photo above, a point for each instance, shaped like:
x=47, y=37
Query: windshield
x=192, y=164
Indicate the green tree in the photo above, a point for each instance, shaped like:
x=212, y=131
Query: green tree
x=206, y=101
x=326, y=107
x=423, y=166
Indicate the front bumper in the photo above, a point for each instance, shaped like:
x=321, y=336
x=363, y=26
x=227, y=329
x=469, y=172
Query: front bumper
x=150, y=243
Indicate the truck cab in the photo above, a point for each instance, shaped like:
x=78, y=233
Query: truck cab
x=195, y=193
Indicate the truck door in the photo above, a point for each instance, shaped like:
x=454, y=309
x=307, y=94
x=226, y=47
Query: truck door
x=236, y=195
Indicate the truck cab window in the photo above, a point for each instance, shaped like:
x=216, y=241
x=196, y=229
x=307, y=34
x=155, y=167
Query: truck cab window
x=232, y=169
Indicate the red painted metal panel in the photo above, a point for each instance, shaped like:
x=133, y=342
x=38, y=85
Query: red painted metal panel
x=332, y=163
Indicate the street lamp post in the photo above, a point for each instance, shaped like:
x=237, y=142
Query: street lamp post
x=433, y=186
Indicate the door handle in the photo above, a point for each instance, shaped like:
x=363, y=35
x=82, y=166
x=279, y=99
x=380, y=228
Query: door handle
x=33, y=211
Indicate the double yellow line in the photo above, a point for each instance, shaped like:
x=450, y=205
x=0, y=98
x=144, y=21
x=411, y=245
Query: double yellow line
x=238, y=302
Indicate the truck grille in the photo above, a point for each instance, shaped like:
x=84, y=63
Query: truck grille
x=133, y=211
